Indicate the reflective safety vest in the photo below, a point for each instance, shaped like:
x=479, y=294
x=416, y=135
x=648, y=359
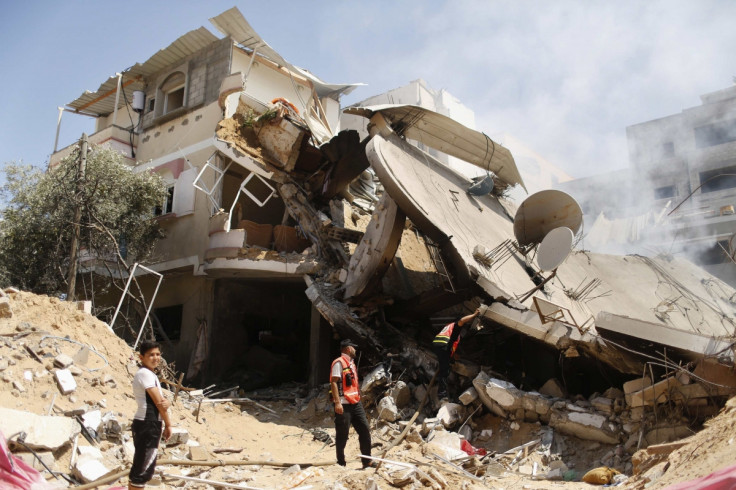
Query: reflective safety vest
x=443, y=338
x=348, y=385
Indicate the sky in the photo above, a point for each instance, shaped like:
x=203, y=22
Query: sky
x=564, y=77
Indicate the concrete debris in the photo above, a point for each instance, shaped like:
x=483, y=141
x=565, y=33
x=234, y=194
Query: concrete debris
x=468, y=396
x=5, y=310
x=42, y=432
x=198, y=453
x=450, y=414
x=387, y=409
x=63, y=361
x=179, y=435
x=444, y=443
x=65, y=381
x=401, y=394
x=552, y=388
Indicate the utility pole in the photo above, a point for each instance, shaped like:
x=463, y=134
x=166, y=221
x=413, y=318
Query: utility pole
x=72, y=281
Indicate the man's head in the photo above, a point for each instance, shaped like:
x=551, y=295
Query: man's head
x=150, y=354
x=348, y=347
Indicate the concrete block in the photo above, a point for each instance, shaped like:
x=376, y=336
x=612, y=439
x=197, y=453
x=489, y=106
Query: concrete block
x=198, y=453
x=65, y=381
x=468, y=396
x=602, y=404
x=445, y=444
x=88, y=469
x=636, y=385
x=401, y=394
x=179, y=435
x=429, y=424
x=467, y=369
x=42, y=432
x=654, y=394
x=19, y=386
x=92, y=420
x=662, y=435
x=387, y=409
x=503, y=393
x=585, y=425
x=450, y=414
x=613, y=393
x=85, y=306
x=63, y=361
x=542, y=405
x=553, y=388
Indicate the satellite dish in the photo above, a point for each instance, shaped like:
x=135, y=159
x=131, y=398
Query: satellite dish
x=544, y=211
x=555, y=248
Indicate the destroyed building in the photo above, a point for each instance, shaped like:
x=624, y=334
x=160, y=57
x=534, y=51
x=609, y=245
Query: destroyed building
x=284, y=234
x=678, y=192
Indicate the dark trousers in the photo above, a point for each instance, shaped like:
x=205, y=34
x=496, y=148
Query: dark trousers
x=352, y=414
x=443, y=356
x=146, y=435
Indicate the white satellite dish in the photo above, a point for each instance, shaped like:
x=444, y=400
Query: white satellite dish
x=544, y=211
x=555, y=248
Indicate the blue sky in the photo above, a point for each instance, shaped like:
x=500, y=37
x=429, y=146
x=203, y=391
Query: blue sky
x=564, y=77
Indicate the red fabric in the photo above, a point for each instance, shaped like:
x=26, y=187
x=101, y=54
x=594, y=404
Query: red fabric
x=15, y=474
x=723, y=479
x=468, y=448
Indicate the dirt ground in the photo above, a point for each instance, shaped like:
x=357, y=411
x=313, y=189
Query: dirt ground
x=289, y=435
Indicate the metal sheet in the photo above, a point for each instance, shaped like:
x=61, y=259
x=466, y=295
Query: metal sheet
x=448, y=136
x=183, y=47
x=233, y=24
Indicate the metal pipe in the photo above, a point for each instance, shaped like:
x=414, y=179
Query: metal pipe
x=58, y=128
x=117, y=99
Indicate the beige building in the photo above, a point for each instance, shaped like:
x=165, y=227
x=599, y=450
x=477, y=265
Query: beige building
x=162, y=114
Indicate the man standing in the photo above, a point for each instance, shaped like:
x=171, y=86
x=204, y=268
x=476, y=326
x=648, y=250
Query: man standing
x=445, y=344
x=346, y=399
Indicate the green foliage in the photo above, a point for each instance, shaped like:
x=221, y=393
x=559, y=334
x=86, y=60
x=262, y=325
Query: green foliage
x=37, y=222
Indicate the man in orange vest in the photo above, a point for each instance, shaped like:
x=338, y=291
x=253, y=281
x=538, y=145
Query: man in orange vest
x=348, y=409
x=445, y=344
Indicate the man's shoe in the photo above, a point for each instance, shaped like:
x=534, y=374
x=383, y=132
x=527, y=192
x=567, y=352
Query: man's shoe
x=370, y=464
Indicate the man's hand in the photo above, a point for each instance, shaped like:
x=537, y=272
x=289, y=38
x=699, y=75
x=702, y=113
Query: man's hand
x=164, y=403
x=338, y=408
x=167, y=433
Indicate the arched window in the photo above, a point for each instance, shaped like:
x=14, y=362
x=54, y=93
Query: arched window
x=172, y=91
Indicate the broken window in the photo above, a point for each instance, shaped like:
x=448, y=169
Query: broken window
x=167, y=206
x=718, y=179
x=715, y=134
x=665, y=192
x=173, y=92
x=169, y=318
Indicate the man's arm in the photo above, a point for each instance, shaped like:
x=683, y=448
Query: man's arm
x=335, y=394
x=468, y=318
x=162, y=404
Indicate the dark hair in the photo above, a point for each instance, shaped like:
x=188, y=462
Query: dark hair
x=147, y=345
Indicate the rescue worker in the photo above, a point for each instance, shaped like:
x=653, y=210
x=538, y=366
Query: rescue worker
x=445, y=344
x=345, y=392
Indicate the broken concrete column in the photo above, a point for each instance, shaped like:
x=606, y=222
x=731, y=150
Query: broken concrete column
x=387, y=409
x=584, y=424
x=401, y=394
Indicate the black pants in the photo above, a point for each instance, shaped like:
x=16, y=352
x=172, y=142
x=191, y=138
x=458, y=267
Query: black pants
x=146, y=435
x=352, y=414
x=443, y=356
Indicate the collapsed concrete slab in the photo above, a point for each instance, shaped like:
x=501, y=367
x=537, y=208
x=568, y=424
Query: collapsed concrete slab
x=42, y=432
